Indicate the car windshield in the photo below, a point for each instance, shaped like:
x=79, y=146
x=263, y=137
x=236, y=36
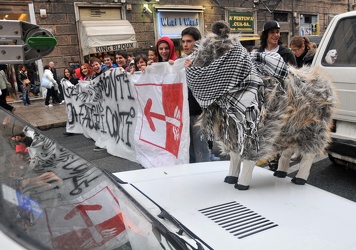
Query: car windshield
x=50, y=197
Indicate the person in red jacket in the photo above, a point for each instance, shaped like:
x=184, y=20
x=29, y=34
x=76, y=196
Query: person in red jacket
x=165, y=50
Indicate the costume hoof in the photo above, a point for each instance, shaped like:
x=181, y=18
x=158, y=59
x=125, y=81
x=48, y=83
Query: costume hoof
x=230, y=179
x=241, y=187
x=280, y=174
x=299, y=181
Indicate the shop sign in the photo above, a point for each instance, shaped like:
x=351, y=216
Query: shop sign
x=171, y=24
x=241, y=21
x=115, y=47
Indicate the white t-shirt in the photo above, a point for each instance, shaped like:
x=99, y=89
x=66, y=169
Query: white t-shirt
x=273, y=50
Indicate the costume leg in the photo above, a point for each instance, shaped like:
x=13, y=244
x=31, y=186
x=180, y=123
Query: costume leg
x=235, y=167
x=246, y=175
x=304, y=169
x=283, y=163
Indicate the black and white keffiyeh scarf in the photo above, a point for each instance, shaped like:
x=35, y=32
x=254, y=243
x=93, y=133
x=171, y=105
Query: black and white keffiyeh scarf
x=270, y=64
x=232, y=82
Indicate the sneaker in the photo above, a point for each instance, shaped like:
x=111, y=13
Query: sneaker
x=61, y=102
x=49, y=105
x=98, y=149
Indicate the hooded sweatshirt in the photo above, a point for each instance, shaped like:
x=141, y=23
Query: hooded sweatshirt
x=172, y=51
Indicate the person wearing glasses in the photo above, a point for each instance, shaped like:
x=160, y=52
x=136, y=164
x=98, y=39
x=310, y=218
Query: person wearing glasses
x=303, y=49
x=271, y=42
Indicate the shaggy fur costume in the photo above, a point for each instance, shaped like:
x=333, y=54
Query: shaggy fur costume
x=295, y=114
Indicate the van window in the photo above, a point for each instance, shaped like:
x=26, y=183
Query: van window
x=341, y=50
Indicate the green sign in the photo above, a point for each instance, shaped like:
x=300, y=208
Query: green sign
x=38, y=42
x=241, y=21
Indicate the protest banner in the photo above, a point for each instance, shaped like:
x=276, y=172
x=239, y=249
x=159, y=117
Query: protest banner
x=142, y=117
x=162, y=129
x=105, y=110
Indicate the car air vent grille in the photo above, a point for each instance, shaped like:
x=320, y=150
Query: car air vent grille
x=237, y=219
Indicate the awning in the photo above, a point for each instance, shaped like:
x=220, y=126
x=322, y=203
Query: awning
x=108, y=35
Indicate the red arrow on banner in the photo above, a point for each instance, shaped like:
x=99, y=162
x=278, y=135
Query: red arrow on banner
x=82, y=209
x=150, y=115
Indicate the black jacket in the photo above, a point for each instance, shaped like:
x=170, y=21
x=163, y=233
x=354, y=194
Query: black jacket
x=194, y=107
x=20, y=77
x=54, y=72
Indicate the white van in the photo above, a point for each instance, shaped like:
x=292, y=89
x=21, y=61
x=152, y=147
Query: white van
x=191, y=207
x=336, y=55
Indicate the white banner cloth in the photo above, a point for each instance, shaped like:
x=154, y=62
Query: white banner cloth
x=162, y=130
x=103, y=109
x=143, y=117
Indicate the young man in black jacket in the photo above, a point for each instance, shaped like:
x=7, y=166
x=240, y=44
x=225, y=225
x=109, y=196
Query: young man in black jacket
x=199, y=149
x=271, y=42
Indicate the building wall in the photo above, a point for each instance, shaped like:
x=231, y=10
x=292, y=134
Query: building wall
x=62, y=22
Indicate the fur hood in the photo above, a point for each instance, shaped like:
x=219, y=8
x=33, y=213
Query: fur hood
x=308, y=58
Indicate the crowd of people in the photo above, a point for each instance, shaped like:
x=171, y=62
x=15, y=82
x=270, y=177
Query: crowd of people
x=123, y=60
x=300, y=52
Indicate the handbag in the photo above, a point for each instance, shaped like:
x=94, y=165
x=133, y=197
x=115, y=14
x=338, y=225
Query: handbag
x=26, y=84
x=46, y=83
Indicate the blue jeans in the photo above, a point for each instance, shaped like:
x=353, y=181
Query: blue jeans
x=25, y=96
x=198, y=149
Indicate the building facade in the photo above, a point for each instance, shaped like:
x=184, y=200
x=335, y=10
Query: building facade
x=94, y=28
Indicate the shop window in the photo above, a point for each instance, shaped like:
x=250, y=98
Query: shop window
x=14, y=13
x=284, y=38
x=281, y=16
x=308, y=19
